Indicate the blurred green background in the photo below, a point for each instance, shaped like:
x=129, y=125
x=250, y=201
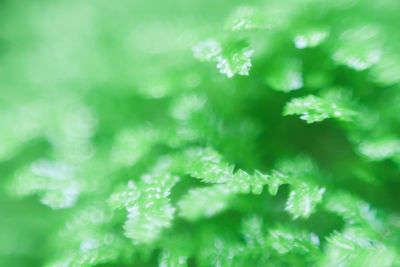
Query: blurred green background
x=59, y=56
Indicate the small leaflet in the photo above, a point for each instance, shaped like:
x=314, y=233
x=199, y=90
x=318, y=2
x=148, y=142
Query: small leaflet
x=207, y=50
x=53, y=181
x=205, y=201
x=314, y=109
x=148, y=206
x=303, y=199
x=233, y=57
x=285, y=238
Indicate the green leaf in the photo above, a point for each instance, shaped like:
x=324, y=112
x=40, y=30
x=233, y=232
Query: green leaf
x=232, y=57
x=284, y=238
x=275, y=180
x=300, y=174
x=235, y=58
x=244, y=183
x=207, y=50
x=356, y=247
x=314, y=109
x=353, y=209
x=149, y=210
x=146, y=219
x=53, y=181
x=209, y=166
x=125, y=197
x=303, y=199
x=204, y=202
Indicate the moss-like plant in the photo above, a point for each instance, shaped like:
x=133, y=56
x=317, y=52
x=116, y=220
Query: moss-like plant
x=200, y=133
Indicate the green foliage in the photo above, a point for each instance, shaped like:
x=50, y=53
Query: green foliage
x=207, y=165
x=204, y=202
x=151, y=212
x=284, y=239
x=141, y=133
x=302, y=200
x=286, y=76
x=233, y=57
x=354, y=247
x=131, y=144
x=315, y=109
x=51, y=180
